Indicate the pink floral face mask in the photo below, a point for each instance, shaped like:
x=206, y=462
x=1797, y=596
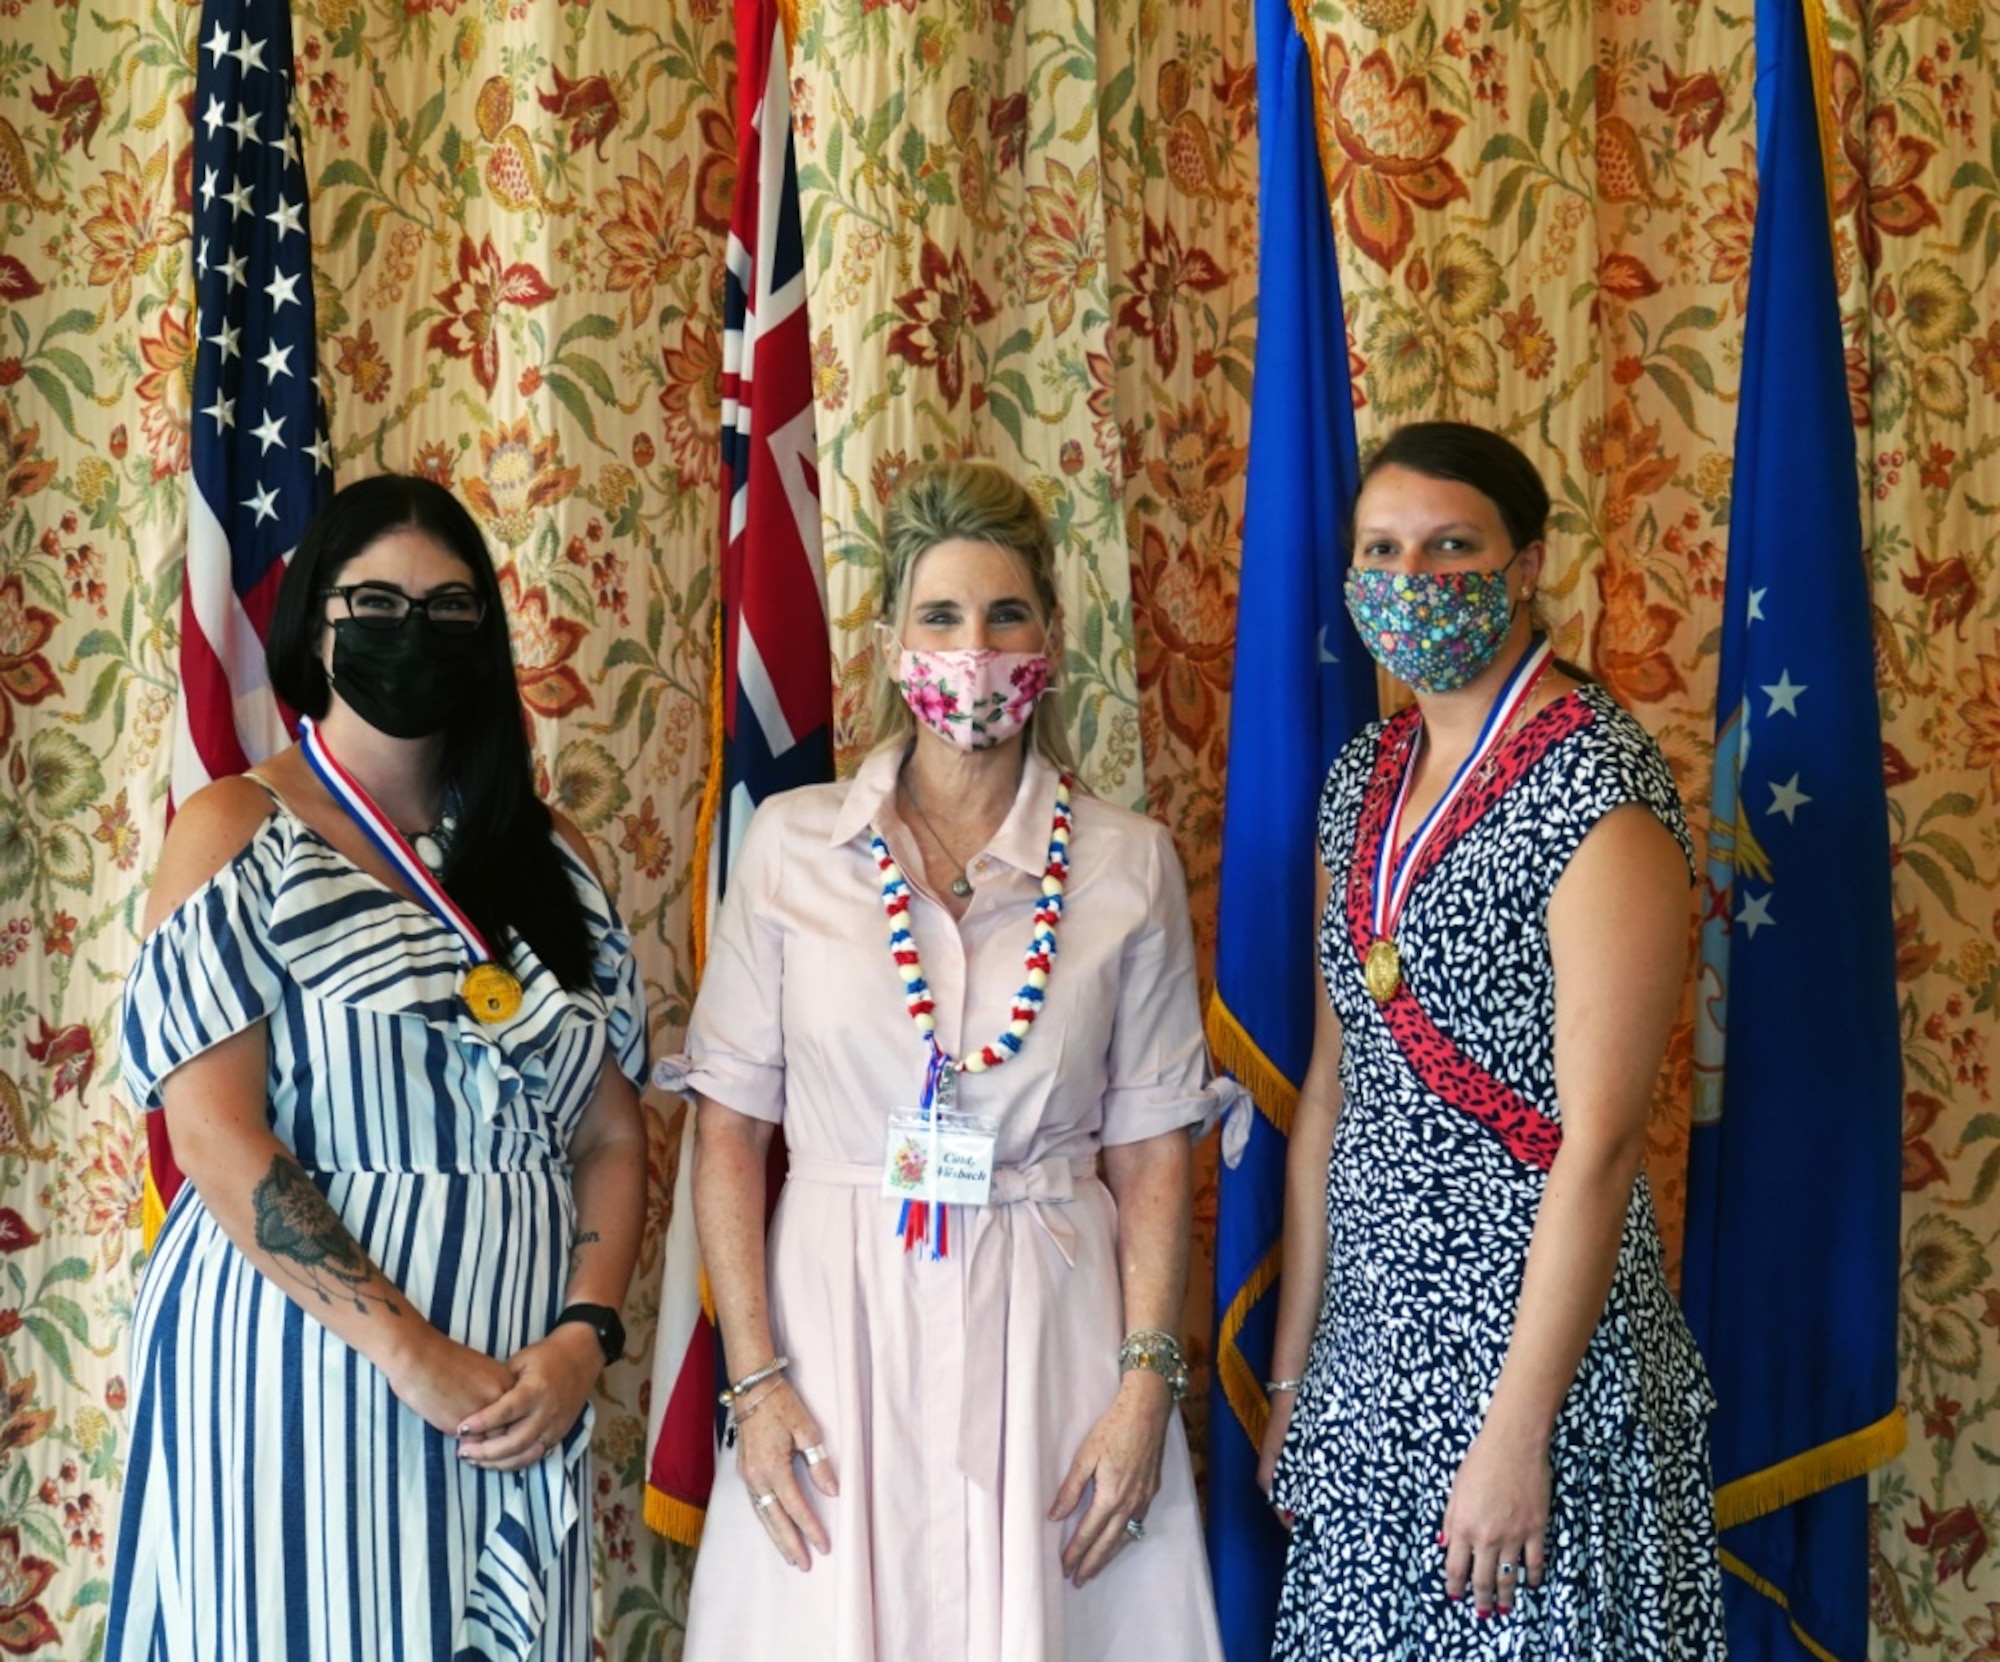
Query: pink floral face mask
x=971, y=697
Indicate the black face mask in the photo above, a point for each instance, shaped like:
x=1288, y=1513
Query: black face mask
x=410, y=681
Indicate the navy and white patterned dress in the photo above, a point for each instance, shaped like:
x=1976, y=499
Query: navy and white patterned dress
x=280, y=1502
x=1439, y=1161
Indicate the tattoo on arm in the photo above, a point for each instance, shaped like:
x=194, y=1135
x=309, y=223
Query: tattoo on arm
x=589, y=1237
x=296, y=1226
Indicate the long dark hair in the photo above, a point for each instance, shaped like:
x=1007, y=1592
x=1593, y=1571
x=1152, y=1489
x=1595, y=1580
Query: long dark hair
x=502, y=866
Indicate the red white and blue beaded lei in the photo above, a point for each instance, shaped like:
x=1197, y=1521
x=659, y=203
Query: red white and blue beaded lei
x=941, y=1068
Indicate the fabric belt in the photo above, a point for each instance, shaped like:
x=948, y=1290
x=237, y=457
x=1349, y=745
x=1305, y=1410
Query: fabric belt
x=1037, y=1191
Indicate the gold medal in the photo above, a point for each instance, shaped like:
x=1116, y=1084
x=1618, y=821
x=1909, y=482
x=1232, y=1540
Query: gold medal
x=1382, y=969
x=491, y=993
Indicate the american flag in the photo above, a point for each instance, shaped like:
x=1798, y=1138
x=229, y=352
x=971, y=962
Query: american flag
x=776, y=672
x=261, y=463
x=260, y=458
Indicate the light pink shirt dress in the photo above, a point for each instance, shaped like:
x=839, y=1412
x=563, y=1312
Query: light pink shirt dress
x=952, y=1393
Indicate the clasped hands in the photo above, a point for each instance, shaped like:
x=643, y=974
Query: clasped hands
x=505, y=1415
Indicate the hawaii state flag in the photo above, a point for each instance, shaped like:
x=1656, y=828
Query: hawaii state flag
x=1795, y=1155
x=258, y=453
x=1303, y=686
x=774, y=677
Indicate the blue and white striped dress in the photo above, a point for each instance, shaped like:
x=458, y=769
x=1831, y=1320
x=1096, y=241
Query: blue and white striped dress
x=280, y=1502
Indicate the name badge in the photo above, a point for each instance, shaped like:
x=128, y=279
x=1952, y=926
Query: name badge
x=947, y=1159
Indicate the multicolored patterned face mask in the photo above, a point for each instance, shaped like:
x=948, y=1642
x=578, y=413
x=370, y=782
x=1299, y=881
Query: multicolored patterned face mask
x=973, y=697
x=1433, y=630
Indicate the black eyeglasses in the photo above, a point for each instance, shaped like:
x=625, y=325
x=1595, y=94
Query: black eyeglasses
x=384, y=606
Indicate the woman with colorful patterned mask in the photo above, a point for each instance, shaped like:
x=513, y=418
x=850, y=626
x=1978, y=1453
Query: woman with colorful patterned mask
x=954, y=1363
x=1485, y=1401
x=1443, y=576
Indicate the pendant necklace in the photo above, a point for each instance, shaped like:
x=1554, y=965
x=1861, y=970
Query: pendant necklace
x=1382, y=963
x=961, y=885
x=431, y=846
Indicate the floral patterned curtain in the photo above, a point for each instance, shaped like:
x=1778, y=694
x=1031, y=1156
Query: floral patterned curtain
x=1031, y=234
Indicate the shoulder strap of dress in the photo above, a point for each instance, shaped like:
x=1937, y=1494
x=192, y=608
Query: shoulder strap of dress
x=271, y=791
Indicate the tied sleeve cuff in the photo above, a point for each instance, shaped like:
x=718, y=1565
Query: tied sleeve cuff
x=614, y=972
x=1237, y=1114
x=616, y=975
x=751, y=1088
x=1132, y=1113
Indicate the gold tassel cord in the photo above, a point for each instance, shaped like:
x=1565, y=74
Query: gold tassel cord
x=1819, y=51
x=1302, y=20
x=711, y=803
x=1742, y=1571
x=1241, y=1387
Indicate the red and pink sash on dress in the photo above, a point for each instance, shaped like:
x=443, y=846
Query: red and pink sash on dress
x=1433, y=1056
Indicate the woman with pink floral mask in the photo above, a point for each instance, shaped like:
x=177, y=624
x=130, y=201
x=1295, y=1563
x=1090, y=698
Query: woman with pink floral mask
x=966, y=989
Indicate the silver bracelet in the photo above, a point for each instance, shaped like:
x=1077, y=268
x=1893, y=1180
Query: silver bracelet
x=1273, y=1386
x=1158, y=1353
x=770, y=1370
x=731, y=1419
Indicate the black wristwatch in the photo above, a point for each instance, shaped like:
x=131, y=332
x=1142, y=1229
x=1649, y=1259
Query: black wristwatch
x=602, y=1320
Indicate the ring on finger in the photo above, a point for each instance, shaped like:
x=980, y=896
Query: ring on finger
x=1135, y=1529
x=1506, y=1569
x=765, y=1501
x=816, y=1454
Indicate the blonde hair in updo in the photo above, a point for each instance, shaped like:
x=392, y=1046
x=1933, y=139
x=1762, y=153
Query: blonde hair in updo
x=970, y=501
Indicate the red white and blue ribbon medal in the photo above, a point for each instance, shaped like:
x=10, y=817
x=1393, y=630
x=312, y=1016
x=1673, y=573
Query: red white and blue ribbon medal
x=937, y=1157
x=1382, y=964
x=491, y=991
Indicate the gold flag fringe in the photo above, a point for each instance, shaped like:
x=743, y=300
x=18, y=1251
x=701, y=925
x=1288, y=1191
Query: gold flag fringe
x=1237, y=1053
x=1807, y=1473
x=675, y=1519
x=152, y=1211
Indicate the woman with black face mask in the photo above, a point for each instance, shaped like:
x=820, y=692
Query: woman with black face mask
x=394, y=1023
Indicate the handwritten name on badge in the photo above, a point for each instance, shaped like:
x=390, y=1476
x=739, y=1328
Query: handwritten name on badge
x=948, y=1161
